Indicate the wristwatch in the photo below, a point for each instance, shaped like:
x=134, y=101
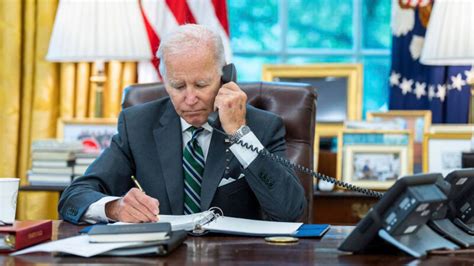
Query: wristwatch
x=242, y=131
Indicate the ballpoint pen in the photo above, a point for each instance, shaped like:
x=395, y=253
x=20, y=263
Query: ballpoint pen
x=137, y=184
x=139, y=187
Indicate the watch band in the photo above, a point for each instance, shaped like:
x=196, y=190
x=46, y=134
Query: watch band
x=242, y=131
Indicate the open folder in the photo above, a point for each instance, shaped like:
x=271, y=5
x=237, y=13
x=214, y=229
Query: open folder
x=214, y=221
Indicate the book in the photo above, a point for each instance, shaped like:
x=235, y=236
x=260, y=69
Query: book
x=48, y=177
x=53, y=155
x=80, y=169
x=46, y=145
x=129, y=232
x=52, y=163
x=80, y=246
x=52, y=170
x=214, y=221
x=24, y=234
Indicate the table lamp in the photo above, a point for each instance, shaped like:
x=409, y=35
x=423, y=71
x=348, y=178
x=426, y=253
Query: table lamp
x=98, y=31
x=449, y=38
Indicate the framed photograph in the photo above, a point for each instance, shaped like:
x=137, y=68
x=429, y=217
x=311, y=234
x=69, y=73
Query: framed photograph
x=374, y=167
x=452, y=128
x=339, y=89
x=374, y=159
x=94, y=133
x=442, y=151
x=417, y=121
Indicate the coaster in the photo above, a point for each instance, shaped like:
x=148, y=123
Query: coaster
x=281, y=240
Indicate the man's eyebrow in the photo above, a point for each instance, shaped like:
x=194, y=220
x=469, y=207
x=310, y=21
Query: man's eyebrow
x=203, y=81
x=175, y=82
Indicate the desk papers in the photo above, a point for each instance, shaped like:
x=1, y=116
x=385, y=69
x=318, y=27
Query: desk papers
x=77, y=245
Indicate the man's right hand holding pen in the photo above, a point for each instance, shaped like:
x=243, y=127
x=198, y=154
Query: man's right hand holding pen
x=134, y=207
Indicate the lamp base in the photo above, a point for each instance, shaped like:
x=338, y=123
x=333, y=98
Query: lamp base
x=99, y=79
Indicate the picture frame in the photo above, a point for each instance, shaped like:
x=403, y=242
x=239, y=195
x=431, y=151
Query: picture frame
x=94, y=133
x=417, y=121
x=442, y=151
x=374, y=167
x=339, y=91
x=375, y=145
x=452, y=128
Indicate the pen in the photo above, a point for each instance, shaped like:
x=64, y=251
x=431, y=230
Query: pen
x=140, y=188
x=137, y=184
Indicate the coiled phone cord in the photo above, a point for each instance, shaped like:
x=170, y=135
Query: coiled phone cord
x=300, y=168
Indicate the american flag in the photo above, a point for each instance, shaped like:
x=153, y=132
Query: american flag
x=162, y=16
x=413, y=86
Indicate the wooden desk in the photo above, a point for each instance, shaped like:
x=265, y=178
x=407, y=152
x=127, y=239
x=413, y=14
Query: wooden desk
x=208, y=250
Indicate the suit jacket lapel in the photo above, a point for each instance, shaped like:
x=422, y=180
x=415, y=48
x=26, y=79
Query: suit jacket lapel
x=214, y=168
x=168, y=139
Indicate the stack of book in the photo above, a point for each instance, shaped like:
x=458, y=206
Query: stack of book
x=83, y=160
x=53, y=162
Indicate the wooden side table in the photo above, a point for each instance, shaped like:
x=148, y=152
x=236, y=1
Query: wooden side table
x=341, y=207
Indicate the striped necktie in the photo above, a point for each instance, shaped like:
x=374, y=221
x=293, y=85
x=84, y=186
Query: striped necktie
x=193, y=165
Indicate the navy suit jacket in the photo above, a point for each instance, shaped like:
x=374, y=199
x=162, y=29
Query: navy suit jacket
x=149, y=146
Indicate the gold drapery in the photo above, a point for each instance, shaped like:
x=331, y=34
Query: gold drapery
x=35, y=93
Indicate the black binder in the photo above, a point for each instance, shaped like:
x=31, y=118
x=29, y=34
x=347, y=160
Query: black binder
x=154, y=248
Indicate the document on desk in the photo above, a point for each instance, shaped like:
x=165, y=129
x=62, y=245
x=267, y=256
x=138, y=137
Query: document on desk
x=207, y=220
x=77, y=245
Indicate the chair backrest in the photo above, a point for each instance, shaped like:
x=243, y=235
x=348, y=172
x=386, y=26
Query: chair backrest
x=467, y=160
x=295, y=103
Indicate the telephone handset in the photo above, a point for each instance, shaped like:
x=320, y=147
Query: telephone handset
x=229, y=74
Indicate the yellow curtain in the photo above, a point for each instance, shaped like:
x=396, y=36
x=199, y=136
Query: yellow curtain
x=35, y=93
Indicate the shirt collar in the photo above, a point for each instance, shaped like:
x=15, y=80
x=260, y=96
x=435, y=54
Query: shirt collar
x=185, y=125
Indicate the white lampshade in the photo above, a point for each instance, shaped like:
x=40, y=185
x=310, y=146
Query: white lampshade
x=449, y=38
x=98, y=30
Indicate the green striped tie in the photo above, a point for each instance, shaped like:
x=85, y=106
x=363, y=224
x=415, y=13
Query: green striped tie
x=193, y=165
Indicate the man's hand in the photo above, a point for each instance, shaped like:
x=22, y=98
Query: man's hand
x=134, y=207
x=231, y=102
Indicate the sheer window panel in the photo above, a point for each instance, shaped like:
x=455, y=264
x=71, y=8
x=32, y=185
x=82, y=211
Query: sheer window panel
x=254, y=25
x=320, y=24
x=376, y=24
x=249, y=67
x=375, y=94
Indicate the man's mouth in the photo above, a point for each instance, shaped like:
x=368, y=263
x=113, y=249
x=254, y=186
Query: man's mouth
x=195, y=112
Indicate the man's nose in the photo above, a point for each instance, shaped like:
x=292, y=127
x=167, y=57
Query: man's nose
x=190, y=97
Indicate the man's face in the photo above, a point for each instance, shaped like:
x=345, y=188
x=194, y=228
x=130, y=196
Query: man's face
x=192, y=81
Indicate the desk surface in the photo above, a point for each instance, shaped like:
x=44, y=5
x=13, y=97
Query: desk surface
x=208, y=250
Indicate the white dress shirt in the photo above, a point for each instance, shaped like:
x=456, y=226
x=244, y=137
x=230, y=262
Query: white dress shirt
x=96, y=211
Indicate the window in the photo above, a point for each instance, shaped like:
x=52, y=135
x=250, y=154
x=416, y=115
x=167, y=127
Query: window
x=301, y=32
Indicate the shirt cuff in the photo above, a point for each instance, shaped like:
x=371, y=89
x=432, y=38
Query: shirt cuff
x=96, y=211
x=245, y=155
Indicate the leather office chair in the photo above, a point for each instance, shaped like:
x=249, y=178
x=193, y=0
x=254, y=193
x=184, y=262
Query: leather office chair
x=294, y=102
x=467, y=160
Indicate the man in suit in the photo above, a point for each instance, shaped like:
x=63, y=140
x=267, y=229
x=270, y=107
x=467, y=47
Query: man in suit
x=182, y=163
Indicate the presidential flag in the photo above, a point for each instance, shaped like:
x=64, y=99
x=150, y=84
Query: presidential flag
x=443, y=90
x=162, y=16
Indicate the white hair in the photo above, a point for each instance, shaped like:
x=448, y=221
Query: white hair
x=189, y=37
